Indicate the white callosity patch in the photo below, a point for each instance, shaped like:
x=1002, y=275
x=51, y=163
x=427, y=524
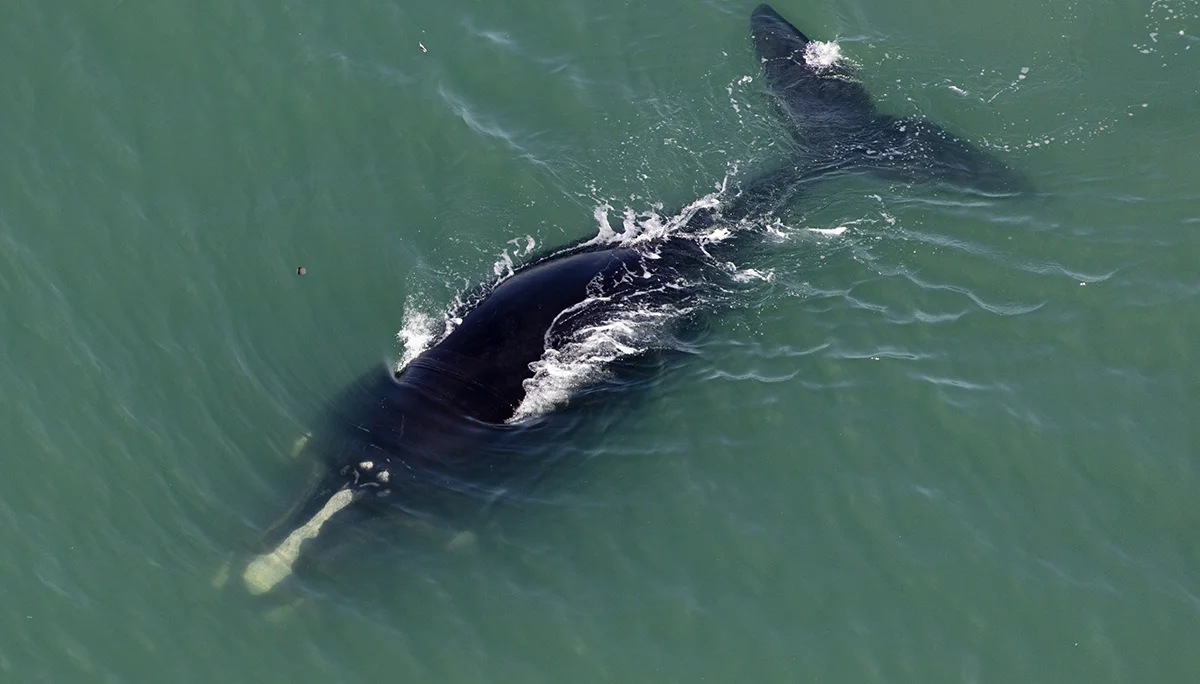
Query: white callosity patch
x=269, y=569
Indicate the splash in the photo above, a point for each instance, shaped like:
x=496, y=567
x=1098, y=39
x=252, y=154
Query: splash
x=640, y=228
x=418, y=332
x=505, y=265
x=830, y=232
x=625, y=328
x=820, y=55
x=585, y=359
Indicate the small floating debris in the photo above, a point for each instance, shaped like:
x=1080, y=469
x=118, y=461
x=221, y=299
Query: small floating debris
x=300, y=270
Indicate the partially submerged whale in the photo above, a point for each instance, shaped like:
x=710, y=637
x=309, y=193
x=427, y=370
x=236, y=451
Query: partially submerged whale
x=409, y=440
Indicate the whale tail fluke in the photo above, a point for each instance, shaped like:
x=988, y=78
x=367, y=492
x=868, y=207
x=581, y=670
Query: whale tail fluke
x=837, y=126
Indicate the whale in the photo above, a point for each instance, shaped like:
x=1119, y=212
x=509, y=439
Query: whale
x=410, y=441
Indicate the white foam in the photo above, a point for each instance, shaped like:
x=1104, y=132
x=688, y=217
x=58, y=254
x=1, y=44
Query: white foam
x=269, y=569
x=746, y=275
x=564, y=369
x=820, y=55
x=503, y=268
x=417, y=333
x=832, y=232
x=737, y=83
x=606, y=232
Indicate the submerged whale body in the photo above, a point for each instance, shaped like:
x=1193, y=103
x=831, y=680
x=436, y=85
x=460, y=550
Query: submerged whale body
x=837, y=124
x=412, y=439
x=416, y=439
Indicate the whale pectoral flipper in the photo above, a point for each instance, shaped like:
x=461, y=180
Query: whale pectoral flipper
x=463, y=541
x=300, y=443
x=271, y=568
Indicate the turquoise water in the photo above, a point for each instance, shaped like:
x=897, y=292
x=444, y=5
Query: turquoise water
x=956, y=442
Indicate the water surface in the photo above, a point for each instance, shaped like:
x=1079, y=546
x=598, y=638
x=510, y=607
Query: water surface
x=955, y=442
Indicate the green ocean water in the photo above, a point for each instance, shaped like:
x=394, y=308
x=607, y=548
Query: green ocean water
x=954, y=442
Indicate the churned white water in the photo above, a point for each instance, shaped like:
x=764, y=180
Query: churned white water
x=822, y=55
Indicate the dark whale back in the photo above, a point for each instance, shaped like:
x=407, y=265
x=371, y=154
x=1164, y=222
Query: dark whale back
x=480, y=368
